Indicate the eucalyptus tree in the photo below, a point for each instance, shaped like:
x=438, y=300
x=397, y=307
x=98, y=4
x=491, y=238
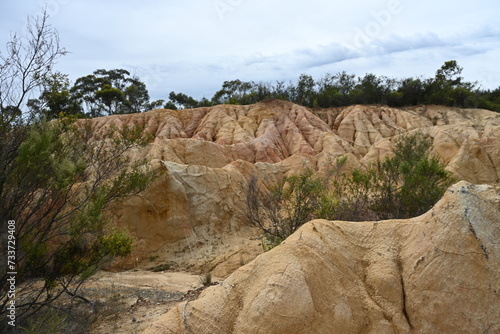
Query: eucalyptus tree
x=108, y=92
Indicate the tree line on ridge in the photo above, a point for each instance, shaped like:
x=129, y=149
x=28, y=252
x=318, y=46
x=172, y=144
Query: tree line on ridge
x=109, y=92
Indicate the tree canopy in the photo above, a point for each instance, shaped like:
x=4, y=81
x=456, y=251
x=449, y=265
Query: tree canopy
x=111, y=92
x=447, y=87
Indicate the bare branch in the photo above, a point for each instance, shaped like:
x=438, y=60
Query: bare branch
x=28, y=60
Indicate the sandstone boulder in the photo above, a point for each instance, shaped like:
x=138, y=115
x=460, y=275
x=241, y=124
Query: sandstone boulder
x=437, y=273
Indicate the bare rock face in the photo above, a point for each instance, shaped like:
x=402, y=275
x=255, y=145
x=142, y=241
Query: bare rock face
x=437, y=273
x=189, y=202
x=363, y=126
x=208, y=155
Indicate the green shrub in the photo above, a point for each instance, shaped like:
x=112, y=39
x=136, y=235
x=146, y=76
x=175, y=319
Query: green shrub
x=409, y=183
x=58, y=188
x=404, y=185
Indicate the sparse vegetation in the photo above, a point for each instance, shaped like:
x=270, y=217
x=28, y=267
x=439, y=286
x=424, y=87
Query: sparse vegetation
x=152, y=257
x=404, y=185
x=206, y=279
x=47, y=322
x=58, y=189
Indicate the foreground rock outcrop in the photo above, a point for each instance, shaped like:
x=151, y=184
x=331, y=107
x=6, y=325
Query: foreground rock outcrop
x=437, y=273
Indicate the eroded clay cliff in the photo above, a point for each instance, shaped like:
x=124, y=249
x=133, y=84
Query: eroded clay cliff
x=208, y=155
x=437, y=273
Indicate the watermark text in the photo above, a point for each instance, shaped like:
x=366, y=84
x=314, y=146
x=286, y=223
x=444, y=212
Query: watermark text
x=224, y=6
x=11, y=272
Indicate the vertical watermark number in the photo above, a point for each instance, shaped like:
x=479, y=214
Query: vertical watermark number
x=11, y=272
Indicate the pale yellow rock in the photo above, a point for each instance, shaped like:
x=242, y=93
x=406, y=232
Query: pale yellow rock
x=364, y=126
x=437, y=273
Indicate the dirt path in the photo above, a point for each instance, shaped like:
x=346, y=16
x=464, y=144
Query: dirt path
x=131, y=300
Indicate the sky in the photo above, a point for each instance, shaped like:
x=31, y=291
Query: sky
x=193, y=46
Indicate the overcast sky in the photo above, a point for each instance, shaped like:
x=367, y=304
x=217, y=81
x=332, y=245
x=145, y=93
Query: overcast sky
x=192, y=46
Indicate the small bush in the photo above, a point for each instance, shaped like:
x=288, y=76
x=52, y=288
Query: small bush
x=409, y=183
x=46, y=322
x=286, y=206
x=206, y=279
